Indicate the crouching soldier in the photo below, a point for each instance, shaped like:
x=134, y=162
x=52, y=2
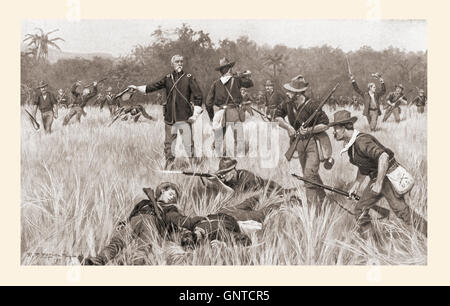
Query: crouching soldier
x=378, y=162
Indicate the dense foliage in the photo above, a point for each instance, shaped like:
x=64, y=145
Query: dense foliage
x=322, y=66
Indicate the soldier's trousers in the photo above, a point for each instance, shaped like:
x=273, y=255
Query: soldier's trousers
x=420, y=109
x=47, y=120
x=143, y=228
x=112, y=109
x=246, y=211
x=396, y=202
x=308, y=155
x=171, y=132
x=373, y=119
x=396, y=112
x=74, y=111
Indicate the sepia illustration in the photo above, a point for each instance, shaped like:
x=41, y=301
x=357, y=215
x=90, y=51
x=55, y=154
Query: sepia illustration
x=224, y=142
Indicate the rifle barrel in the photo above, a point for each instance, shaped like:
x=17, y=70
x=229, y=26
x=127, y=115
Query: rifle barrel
x=333, y=189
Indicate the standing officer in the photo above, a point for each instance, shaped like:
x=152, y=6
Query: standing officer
x=181, y=109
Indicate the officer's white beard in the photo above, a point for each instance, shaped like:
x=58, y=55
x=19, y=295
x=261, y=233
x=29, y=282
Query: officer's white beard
x=179, y=69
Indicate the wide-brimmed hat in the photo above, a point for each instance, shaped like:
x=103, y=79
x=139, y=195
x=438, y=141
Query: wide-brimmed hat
x=166, y=185
x=297, y=84
x=42, y=84
x=269, y=83
x=421, y=90
x=342, y=117
x=226, y=164
x=399, y=86
x=224, y=62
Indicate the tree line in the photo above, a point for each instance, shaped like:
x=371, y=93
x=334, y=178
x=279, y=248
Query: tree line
x=322, y=66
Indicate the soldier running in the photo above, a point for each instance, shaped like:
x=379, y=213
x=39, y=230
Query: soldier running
x=376, y=161
x=393, y=101
x=80, y=99
x=298, y=108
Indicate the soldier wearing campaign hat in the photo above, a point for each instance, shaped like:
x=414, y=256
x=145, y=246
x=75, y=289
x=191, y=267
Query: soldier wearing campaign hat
x=46, y=102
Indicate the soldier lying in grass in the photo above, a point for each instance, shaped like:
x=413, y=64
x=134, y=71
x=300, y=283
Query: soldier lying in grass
x=159, y=215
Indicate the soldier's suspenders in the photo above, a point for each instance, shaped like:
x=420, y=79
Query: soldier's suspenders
x=174, y=86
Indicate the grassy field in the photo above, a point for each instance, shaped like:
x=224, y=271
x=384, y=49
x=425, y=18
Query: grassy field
x=79, y=181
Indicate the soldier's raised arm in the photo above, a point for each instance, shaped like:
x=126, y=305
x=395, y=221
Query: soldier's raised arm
x=355, y=86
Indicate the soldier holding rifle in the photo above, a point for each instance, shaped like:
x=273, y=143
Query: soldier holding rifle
x=226, y=95
x=393, y=100
x=46, y=102
x=298, y=109
x=388, y=179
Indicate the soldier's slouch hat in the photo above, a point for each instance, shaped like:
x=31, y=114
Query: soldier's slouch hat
x=226, y=164
x=342, y=117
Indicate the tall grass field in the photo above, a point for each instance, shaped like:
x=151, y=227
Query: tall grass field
x=78, y=182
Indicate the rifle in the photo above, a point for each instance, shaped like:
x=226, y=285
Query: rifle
x=199, y=174
x=348, y=66
x=151, y=196
x=380, y=210
x=98, y=82
x=264, y=116
x=33, y=120
x=391, y=108
x=118, y=113
x=290, y=152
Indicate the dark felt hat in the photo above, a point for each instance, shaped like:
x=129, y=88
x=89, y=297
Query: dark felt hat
x=42, y=84
x=226, y=164
x=297, y=84
x=224, y=62
x=342, y=117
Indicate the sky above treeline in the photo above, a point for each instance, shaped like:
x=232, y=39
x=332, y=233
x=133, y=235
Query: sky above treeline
x=118, y=37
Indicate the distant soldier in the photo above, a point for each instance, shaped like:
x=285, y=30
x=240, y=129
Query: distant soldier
x=246, y=101
x=298, y=108
x=332, y=102
x=376, y=161
x=182, y=107
x=109, y=99
x=80, y=99
x=134, y=112
x=356, y=104
x=46, y=102
x=225, y=93
x=273, y=98
x=62, y=98
x=393, y=100
x=420, y=101
x=371, y=100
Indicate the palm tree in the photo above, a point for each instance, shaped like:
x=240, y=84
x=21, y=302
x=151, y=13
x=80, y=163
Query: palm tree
x=277, y=61
x=39, y=42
